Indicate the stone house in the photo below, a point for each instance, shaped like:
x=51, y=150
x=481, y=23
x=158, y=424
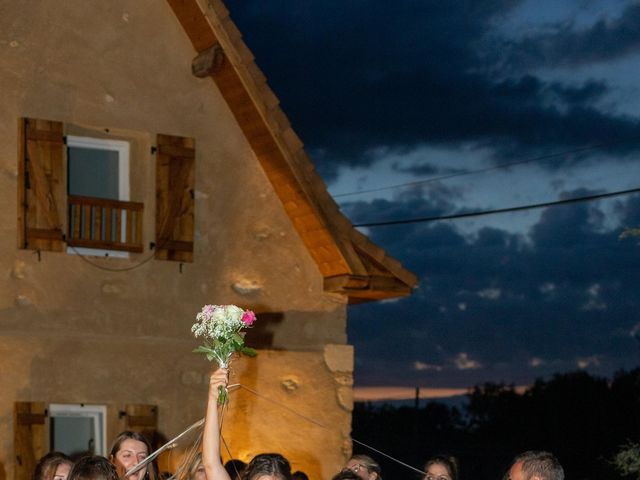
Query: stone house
x=146, y=169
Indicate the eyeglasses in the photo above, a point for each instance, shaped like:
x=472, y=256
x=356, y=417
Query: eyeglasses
x=354, y=468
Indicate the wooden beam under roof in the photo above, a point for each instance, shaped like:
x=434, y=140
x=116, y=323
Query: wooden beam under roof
x=344, y=256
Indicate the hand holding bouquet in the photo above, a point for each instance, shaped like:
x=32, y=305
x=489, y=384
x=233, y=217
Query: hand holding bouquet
x=221, y=328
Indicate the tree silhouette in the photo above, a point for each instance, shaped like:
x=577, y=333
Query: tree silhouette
x=581, y=418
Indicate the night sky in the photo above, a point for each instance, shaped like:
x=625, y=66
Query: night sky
x=438, y=92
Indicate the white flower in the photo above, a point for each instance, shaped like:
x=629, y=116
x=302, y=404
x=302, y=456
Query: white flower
x=216, y=321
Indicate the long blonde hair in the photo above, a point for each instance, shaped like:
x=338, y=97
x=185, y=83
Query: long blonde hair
x=191, y=460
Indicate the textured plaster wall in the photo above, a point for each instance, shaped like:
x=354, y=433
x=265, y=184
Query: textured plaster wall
x=71, y=332
x=289, y=406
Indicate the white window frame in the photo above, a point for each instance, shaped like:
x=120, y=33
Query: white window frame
x=97, y=412
x=122, y=147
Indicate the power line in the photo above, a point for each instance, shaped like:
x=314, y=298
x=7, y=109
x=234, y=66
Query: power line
x=486, y=169
x=501, y=210
x=85, y=258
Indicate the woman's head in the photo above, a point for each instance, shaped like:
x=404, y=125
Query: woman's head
x=53, y=466
x=234, y=468
x=365, y=467
x=441, y=467
x=93, y=468
x=191, y=466
x=267, y=466
x=129, y=449
x=196, y=469
x=346, y=474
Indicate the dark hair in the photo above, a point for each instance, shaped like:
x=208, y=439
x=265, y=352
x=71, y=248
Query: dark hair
x=369, y=463
x=47, y=465
x=235, y=467
x=267, y=464
x=542, y=464
x=449, y=462
x=93, y=467
x=129, y=435
x=346, y=474
x=299, y=475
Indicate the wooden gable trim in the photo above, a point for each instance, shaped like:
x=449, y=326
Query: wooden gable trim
x=326, y=233
x=297, y=203
x=367, y=288
x=385, y=276
x=374, y=253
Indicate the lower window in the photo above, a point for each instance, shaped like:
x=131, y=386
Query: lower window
x=77, y=429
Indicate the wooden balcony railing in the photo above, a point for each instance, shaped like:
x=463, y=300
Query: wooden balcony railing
x=105, y=224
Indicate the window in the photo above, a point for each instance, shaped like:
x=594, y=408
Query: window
x=77, y=428
x=77, y=195
x=99, y=169
x=40, y=427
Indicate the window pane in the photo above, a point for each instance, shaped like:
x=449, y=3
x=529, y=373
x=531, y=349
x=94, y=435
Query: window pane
x=73, y=435
x=93, y=172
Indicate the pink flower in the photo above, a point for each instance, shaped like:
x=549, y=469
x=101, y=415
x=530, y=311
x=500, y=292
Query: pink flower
x=248, y=317
x=208, y=309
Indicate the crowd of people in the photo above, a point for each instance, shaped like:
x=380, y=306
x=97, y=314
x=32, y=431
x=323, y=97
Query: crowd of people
x=130, y=449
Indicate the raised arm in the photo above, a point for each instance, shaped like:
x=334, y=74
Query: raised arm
x=211, y=438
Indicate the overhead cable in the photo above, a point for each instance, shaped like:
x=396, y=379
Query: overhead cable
x=500, y=210
x=483, y=170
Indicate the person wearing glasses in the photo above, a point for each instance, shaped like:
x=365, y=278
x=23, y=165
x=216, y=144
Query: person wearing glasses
x=441, y=467
x=365, y=467
x=345, y=475
x=535, y=465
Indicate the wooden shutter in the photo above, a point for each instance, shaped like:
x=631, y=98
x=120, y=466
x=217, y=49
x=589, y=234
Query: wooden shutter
x=143, y=419
x=29, y=437
x=175, y=164
x=41, y=185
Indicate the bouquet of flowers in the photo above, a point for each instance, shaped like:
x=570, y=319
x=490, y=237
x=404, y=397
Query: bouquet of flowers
x=221, y=327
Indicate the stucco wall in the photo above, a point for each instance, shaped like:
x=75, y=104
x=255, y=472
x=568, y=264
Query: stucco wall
x=70, y=332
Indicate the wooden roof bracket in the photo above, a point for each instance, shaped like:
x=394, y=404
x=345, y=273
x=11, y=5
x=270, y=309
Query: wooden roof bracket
x=208, y=62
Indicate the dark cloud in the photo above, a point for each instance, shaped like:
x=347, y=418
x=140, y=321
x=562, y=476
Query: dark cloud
x=510, y=307
x=630, y=212
x=421, y=200
x=424, y=169
x=589, y=91
x=567, y=45
x=356, y=75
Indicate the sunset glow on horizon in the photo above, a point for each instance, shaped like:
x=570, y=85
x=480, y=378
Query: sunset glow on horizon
x=373, y=394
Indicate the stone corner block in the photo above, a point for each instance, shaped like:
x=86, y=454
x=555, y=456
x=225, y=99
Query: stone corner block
x=339, y=358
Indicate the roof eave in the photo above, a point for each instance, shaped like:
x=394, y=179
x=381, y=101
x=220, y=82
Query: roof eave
x=342, y=254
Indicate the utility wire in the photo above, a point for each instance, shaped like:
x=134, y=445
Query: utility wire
x=85, y=258
x=326, y=427
x=500, y=210
x=486, y=169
